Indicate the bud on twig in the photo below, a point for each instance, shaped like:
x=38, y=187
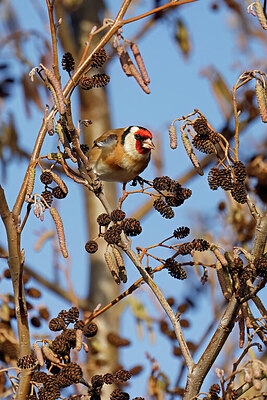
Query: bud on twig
x=60, y=231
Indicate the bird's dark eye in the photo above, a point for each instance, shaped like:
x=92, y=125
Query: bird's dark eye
x=138, y=137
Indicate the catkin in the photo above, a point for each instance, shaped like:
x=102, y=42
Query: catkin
x=224, y=280
x=112, y=266
x=49, y=354
x=60, y=231
x=79, y=339
x=120, y=264
x=261, y=100
x=241, y=326
x=56, y=156
x=58, y=181
x=140, y=63
x=130, y=69
x=58, y=94
x=173, y=137
x=138, y=78
x=124, y=60
x=260, y=14
x=219, y=255
x=30, y=183
x=189, y=149
x=50, y=127
x=60, y=132
x=38, y=353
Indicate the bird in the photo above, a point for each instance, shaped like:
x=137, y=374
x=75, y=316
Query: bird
x=120, y=155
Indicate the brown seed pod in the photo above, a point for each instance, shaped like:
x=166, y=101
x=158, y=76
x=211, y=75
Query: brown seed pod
x=200, y=126
x=181, y=232
x=99, y=58
x=95, y=81
x=58, y=193
x=68, y=62
x=117, y=215
x=57, y=324
x=28, y=361
x=46, y=177
x=90, y=329
x=103, y=219
x=239, y=192
x=33, y=292
x=117, y=340
x=163, y=208
x=48, y=197
x=60, y=231
x=162, y=183
x=91, y=246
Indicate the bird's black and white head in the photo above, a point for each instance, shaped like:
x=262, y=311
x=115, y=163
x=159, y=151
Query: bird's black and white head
x=137, y=140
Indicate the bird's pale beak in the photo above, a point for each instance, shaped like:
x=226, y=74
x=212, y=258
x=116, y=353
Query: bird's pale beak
x=148, y=144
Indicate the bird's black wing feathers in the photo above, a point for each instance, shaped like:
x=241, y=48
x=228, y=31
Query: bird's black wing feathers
x=109, y=141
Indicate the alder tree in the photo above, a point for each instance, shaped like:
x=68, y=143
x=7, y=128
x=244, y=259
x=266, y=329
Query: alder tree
x=69, y=362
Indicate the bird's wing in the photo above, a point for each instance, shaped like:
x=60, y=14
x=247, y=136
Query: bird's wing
x=106, y=141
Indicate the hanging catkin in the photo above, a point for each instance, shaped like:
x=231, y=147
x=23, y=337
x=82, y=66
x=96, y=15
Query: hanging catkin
x=140, y=63
x=60, y=231
x=112, y=266
x=30, y=183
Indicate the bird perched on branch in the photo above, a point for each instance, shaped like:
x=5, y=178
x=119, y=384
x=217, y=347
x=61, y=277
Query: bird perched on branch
x=120, y=155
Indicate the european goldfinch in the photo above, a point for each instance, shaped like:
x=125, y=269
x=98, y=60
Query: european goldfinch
x=120, y=155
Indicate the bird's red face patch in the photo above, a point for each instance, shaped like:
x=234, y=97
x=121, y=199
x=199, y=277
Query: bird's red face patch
x=141, y=135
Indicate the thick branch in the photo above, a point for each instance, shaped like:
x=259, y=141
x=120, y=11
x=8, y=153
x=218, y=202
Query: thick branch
x=220, y=336
x=14, y=262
